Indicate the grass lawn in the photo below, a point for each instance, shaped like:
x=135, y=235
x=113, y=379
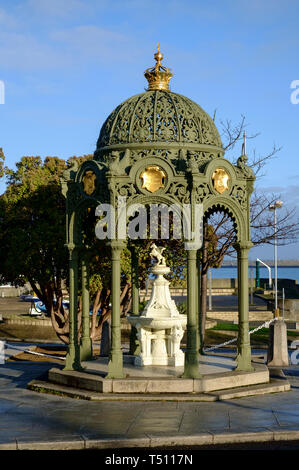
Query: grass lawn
x=260, y=336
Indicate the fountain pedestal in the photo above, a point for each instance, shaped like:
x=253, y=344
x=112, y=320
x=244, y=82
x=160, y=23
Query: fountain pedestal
x=160, y=327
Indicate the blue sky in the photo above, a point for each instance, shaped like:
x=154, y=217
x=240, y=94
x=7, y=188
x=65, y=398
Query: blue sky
x=66, y=64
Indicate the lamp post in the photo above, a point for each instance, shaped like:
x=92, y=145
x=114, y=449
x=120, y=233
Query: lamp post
x=269, y=270
x=273, y=207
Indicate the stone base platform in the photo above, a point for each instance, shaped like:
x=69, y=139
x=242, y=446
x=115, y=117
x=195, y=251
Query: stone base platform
x=274, y=386
x=219, y=381
x=208, y=383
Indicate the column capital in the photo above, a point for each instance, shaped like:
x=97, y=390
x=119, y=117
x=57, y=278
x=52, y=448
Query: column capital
x=117, y=245
x=243, y=246
x=70, y=246
x=73, y=251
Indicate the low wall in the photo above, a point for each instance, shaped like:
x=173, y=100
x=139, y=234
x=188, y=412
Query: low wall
x=233, y=316
x=33, y=321
x=9, y=291
x=281, y=283
x=291, y=308
x=225, y=283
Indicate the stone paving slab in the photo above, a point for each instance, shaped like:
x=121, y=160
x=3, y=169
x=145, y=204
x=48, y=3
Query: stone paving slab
x=42, y=421
x=153, y=441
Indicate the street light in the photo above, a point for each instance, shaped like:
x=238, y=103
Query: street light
x=269, y=270
x=273, y=207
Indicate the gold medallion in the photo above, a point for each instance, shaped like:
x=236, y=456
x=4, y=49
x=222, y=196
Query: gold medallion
x=89, y=182
x=153, y=178
x=220, y=180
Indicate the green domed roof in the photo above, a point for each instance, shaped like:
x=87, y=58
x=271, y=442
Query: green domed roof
x=158, y=116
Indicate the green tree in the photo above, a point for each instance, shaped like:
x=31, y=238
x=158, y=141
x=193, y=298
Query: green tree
x=31, y=233
x=32, y=238
x=2, y=158
x=32, y=230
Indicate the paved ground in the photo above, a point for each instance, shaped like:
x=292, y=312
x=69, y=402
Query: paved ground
x=40, y=421
x=15, y=306
x=224, y=303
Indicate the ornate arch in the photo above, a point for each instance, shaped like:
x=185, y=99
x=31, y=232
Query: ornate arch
x=229, y=207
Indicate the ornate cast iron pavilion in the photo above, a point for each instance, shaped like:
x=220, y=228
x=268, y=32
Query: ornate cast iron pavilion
x=157, y=147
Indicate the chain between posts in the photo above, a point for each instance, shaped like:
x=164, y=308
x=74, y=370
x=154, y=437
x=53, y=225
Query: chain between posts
x=264, y=325
x=33, y=352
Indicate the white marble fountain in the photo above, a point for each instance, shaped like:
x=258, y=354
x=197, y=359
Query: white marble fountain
x=160, y=327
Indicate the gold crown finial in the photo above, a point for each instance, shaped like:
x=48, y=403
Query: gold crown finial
x=158, y=57
x=158, y=76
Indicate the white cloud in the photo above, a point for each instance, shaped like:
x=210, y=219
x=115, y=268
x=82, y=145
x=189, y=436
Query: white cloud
x=65, y=48
x=24, y=51
x=265, y=12
x=58, y=8
x=288, y=194
x=272, y=189
x=94, y=42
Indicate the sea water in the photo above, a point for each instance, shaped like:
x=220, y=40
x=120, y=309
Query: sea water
x=283, y=272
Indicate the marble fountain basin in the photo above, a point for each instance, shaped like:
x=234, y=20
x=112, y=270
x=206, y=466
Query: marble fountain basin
x=157, y=324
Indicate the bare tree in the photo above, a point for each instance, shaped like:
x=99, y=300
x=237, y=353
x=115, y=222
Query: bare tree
x=219, y=234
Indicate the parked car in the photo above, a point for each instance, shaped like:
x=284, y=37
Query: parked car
x=29, y=298
x=37, y=307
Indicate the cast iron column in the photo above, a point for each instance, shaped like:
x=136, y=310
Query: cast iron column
x=191, y=369
x=134, y=343
x=115, y=364
x=243, y=344
x=86, y=344
x=73, y=355
x=198, y=304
